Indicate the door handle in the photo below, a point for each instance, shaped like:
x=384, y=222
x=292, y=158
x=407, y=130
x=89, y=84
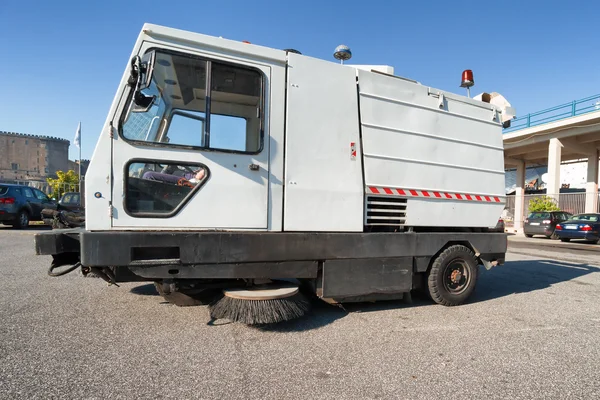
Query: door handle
x=253, y=167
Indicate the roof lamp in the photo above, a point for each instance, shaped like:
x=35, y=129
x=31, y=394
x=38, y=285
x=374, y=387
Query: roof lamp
x=467, y=81
x=342, y=53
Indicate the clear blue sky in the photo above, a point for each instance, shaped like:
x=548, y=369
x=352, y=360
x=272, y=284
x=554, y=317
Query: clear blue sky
x=62, y=60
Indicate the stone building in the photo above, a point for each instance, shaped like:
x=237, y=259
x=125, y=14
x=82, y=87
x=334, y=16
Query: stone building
x=74, y=166
x=30, y=157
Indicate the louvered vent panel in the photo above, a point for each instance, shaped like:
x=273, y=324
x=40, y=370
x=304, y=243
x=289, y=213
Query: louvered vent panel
x=385, y=210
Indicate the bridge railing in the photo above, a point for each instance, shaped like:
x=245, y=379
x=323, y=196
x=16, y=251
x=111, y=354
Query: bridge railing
x=567, y=110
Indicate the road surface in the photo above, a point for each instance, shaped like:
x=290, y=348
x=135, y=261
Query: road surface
x=530, y=332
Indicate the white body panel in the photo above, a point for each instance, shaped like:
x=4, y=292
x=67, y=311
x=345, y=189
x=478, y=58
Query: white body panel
x=414, y=139
x=409, y=137
x=324, y=187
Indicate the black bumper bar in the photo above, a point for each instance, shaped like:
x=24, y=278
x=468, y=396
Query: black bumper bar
x=127, y=248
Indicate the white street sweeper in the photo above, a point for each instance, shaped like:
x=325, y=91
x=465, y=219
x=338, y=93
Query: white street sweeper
x=243, y=177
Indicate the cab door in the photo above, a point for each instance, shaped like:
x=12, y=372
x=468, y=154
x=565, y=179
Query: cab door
x=192, y=145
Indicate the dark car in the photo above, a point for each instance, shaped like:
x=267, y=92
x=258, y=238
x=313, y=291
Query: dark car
x=580, y=226
x=544, y=223
x=20, y=204
x=70, y=201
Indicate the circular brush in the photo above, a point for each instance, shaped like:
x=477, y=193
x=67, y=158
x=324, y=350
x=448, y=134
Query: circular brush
x=260, y=305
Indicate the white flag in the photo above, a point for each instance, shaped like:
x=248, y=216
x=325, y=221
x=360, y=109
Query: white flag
x=77, y=140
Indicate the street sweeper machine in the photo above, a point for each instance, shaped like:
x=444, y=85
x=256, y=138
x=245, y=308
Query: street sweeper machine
x=252, y=179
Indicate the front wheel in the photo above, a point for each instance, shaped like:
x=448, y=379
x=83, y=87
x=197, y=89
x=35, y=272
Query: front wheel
x=529, y=236
x=453, y=276
x=565, y=239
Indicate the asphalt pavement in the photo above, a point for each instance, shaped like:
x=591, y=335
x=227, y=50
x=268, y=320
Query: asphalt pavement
x=529, y=332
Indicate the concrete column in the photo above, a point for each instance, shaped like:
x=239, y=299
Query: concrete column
x=591, y=188
x=520, y=197
x=554, y=158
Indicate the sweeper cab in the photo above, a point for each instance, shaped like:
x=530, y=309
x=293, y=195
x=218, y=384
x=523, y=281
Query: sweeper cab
x=250, y=174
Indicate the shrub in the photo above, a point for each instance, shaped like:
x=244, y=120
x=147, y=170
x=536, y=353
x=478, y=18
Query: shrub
x=544, y=203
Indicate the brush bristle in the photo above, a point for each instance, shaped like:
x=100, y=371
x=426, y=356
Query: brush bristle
x=260, y=312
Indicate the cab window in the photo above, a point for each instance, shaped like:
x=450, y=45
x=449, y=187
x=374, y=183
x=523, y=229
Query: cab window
x=200, y=103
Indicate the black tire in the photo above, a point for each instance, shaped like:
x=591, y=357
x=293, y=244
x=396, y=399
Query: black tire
x=529, y=236
x=594, y=241
x=456, y=262
x=22, y=220
x=182, y=299
x=565, y=239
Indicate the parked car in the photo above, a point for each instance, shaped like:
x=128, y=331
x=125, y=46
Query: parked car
x=68, y=213
x=544, y=223
x=70, y=201
x=21, y=204
x=580, y=226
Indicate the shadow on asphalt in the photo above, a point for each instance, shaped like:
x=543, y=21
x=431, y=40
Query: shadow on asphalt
x=320, y=315
x=145, y=290
x=526, y=276
x=512, y=278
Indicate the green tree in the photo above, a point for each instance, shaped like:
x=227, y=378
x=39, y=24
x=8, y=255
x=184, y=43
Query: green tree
x=543, y=203
x=65, y=182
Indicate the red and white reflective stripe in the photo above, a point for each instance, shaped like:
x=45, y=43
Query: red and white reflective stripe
x=432, y=194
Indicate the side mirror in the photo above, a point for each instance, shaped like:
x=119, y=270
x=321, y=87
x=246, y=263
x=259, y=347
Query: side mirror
x=140, y=79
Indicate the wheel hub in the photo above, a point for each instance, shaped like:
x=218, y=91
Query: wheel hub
x=456, y=276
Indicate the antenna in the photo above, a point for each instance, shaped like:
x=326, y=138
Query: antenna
x=342, y=53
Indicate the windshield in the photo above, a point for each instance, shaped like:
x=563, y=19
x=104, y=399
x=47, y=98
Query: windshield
x=178, y=114
x=585, y=217
x=539, y=215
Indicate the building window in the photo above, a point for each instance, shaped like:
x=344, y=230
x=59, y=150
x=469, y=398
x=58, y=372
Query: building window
x=15, y=166
x=26, y=141
x=46, y=170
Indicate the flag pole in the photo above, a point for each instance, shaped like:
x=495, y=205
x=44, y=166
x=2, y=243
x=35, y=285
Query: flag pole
x=80, y=180
x=79, y=158
x=77, y=142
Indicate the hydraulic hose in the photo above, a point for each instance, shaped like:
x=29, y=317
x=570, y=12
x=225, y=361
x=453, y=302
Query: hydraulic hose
x=61, y=273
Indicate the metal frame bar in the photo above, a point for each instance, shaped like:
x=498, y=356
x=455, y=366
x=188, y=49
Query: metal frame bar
x=530, y=120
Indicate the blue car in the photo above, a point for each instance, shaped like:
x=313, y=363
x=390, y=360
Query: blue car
x=580, y=226
x=20, y=204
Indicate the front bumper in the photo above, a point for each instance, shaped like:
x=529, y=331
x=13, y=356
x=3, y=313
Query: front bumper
x=58, y=241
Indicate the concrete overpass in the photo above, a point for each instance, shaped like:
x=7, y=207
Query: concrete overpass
x=567, y=132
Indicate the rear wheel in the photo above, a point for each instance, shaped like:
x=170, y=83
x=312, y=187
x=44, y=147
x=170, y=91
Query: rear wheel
x=529, y=236
x=453, y=276
x=22, y=220
x=565, y=239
